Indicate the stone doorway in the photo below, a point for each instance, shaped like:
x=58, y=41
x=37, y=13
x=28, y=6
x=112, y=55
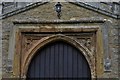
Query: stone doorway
x=33, y=36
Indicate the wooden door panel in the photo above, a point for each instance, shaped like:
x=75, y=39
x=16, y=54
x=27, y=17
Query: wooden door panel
x=58, y=60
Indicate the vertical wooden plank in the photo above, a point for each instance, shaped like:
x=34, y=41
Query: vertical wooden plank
x=47, y=64
x=37, y=62
x=84, y=65
x=80, y=65
x=69, y=51
x=61, y=60
x=65, y=62
x=42, y=63
x=51, y=72
x=56, y=59
x=75, y=65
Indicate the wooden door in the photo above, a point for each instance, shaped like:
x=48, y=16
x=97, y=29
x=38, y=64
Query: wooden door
x=59, y=60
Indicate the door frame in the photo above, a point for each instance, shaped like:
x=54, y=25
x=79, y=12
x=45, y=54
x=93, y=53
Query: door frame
x=21, y=63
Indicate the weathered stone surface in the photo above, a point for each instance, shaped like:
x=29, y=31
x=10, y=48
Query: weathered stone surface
x=0, y=49
x=114, y=32
x=113, y=39
x=69, y=12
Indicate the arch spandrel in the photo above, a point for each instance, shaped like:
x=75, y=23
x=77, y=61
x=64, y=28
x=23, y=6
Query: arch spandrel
x=42, y=42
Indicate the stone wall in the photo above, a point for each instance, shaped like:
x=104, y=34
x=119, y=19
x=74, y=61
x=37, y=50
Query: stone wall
x=69, y=12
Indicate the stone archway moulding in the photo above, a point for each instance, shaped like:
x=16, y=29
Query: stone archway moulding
x=27, y=44
x=88, y=55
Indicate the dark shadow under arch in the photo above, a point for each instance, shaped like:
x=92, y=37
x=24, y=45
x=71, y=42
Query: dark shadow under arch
x=58, y=59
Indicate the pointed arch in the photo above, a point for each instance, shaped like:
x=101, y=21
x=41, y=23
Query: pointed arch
x=46, y=40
